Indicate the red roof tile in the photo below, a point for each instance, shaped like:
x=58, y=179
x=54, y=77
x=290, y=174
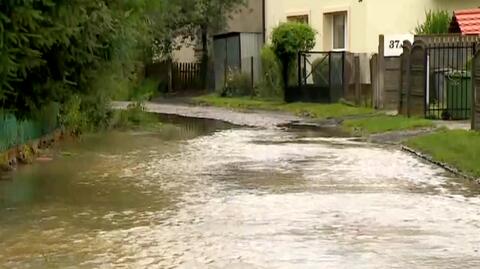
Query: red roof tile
x=468, y=20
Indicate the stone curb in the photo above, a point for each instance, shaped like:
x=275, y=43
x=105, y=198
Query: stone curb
x=440, y=164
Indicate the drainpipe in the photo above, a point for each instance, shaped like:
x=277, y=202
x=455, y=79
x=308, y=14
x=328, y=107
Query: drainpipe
x=264, y=23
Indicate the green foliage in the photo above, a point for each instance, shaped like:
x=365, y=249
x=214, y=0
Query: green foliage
x=436, y=22
x=237, y=84
x=145, y=91
x=133, y=117
x=383, y=123
x=292, y=37
x=173, y=22
x=320, y=72
x=288, y=39
x=458, y=148
x=320, y=111
x=271, y=84
x=53, y=50
x=72, y=117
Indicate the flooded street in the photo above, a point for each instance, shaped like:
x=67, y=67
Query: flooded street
x=203, y=194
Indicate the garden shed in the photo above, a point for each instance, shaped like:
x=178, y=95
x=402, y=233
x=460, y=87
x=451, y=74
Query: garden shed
x=237, y=52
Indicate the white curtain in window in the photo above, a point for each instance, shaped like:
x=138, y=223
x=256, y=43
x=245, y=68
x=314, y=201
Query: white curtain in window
x=339, y=31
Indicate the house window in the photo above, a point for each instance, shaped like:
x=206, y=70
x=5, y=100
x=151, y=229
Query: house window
x=339, y=31
x=298, y=18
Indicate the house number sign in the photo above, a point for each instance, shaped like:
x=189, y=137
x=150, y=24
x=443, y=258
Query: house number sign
x=393, y=44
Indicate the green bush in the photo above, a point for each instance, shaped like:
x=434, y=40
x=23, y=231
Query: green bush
x=288, y=39
x=53, y=50
x=133, y=117
x=145, y=91
x=293, y=73
x=72, y=117
x=436, y=22
x=320, y=72
x=237, y=84
x=292, y=37
x=271, y=84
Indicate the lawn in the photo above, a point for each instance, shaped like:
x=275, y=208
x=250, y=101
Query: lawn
x=384, y=123
x=313, y=110
x=458, y=148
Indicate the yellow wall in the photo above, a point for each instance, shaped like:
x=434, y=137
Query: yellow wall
x=366, y=20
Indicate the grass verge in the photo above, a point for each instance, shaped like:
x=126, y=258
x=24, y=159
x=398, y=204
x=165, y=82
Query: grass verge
x=313, y=110
x=135, y=117
x=458, y=148
x=384, y=123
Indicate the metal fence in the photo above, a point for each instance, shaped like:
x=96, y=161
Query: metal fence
x=14, y=132
x=321, y=76
x=448, y=87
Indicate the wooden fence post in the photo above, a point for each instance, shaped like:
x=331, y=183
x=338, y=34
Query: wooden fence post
x=418, y=69
x=405, y=77
x=357, y=80
x=374, y=79
x=252, y=74
x=476, y=91
x=380, y=73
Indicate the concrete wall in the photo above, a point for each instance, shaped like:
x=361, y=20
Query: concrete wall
x=248, y=19
x=366, y=20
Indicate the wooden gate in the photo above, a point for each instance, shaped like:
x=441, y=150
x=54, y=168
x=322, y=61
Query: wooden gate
x=187, y=76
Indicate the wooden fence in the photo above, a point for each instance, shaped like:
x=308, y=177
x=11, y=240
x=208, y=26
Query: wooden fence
x=177, y=77
x=401, y=82
x=187, y=76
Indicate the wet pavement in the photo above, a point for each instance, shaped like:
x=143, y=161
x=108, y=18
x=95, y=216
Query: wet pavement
x=206, y=194
x=264, y=119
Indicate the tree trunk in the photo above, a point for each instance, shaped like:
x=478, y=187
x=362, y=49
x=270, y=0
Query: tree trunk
x=205, y=57
x=285, y=67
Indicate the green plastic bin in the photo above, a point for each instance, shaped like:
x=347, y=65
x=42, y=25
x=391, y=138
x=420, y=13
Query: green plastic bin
x=459, y=94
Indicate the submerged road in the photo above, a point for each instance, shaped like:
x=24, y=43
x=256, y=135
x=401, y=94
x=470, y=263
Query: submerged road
x=204, y=194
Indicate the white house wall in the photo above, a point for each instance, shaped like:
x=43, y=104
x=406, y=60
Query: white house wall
x=367, y=19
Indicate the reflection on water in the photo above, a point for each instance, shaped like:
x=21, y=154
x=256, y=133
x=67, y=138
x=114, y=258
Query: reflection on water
x=203, y=194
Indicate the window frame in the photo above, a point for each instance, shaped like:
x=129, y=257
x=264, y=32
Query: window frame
x=299, y=13
x=299, y=18
x=345, y=32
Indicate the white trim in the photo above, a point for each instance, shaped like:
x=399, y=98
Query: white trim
x=298, y=13
x=329, y=11
x=305, y=12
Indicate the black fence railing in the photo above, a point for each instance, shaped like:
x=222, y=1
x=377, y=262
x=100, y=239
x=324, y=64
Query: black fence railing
x=320, y=76
x=448, y=87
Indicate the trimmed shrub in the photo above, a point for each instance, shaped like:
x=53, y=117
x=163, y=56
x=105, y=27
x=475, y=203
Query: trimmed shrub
x=271, y=84
x=288, y=39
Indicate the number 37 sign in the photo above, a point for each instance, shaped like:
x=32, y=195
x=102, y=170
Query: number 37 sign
x=393, y=44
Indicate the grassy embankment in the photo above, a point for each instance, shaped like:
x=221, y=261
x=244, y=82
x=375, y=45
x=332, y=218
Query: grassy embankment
x=318, y=111
x=458, y=148
x=369, y=121
x=384, y=123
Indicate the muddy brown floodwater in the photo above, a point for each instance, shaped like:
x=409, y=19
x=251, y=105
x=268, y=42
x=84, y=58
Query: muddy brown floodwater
x=203, y=194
